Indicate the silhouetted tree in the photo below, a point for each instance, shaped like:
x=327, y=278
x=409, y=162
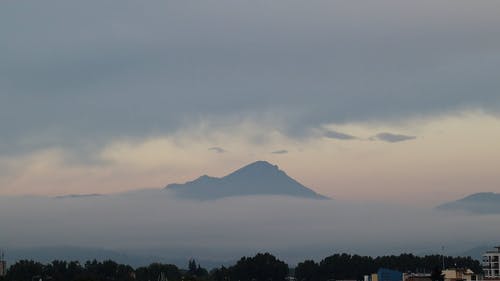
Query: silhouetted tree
x=262, y=267
x=220, y=274
x=192, y=266
x=62, y=270
x=345, y=266
x=195, y=270
x=24, y=270
x=154, y=270
x=307, y=271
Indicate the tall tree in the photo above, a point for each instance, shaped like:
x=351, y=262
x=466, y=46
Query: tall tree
x=24, y=270
x=307, y=271
x=154, y=270
x=261, y=267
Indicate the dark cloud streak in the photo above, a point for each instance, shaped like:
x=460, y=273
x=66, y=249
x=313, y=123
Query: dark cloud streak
x=338, y=135
x=389, y=137
x=217, y=149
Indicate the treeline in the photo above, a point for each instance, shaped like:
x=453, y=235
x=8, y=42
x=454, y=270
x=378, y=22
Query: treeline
x=261, y=267
x=354, y=267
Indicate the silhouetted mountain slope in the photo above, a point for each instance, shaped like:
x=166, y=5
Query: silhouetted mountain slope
x=481, y=203
x=258, y=178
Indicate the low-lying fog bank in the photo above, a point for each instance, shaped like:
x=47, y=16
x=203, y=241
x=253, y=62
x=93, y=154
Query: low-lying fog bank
x=154, y=223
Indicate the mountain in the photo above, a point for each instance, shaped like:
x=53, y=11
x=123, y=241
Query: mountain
x=258, y=178
x=479, y=203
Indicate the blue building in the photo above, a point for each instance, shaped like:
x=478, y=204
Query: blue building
x=384, y=274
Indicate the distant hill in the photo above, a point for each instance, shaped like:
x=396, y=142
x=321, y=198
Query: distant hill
x=70, y=253
x=476, y=252
x=258, y=178
x=479, y=203
x=82, y=254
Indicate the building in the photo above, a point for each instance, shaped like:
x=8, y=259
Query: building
x=460, y=274
x=384, y=274
x=417, y=277
x=491, y=264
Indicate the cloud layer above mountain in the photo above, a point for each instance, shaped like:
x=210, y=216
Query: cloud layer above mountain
x=110, y=96
x=89, y=71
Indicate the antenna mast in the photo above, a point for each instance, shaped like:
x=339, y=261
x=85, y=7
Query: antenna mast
x=442, y=254
x=3, y=263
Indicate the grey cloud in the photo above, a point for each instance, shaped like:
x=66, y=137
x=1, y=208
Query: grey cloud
x=137, y=70
x=389, y=137
x=283, y=151
x=338, y=135
x=217, y=149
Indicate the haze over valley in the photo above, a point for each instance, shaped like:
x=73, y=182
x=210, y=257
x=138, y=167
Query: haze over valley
x=158, y=224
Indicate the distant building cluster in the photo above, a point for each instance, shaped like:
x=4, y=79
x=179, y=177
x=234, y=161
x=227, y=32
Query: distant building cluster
x=490, y=263
x=449, y=274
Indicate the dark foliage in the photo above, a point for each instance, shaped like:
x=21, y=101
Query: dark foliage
x=70, y=271
x=220, y=274
x=154, y=270
x=24, y=270
x=307, y=271
x=261, y=267
x=345, y=266
x=195, y=270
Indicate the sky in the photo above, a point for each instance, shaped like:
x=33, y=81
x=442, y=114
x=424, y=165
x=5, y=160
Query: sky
x=383, y=101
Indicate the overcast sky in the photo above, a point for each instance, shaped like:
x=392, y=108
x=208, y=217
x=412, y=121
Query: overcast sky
x=364, y=100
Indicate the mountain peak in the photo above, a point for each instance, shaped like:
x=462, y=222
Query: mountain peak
x=482, y=202
x=256, y=169
x=257, y=178
x=205, y=177
x=480, y=196
x=261, y=164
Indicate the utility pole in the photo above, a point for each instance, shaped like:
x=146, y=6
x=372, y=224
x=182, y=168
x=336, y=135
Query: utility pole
x=3, y=264
x=442, y=254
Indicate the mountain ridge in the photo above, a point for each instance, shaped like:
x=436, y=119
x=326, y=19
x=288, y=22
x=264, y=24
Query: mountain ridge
x=479, y=203
x=257, y=178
